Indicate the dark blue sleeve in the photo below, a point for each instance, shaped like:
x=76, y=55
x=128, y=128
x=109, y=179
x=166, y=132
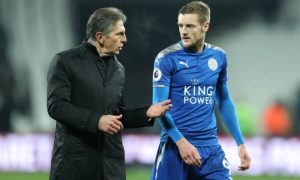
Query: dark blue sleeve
x=166, y=122
x=228, y=112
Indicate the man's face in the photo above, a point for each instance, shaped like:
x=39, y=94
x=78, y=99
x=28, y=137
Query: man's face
x=192, y=33
x=114, y=41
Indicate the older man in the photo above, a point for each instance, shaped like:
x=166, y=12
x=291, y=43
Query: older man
x=85, y=97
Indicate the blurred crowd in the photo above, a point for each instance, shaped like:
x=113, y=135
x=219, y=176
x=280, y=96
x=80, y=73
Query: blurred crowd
x=13, y=98
x=280, y=118
x=263, y=27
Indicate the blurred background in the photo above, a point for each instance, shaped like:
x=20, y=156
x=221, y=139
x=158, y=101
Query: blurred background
x=261, y=39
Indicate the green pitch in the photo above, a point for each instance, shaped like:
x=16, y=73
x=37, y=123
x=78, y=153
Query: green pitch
x=133, y=173
x=143, y=173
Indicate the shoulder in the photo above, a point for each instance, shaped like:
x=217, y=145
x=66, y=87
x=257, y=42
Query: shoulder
x=65, y=59
x=69, y=57
x=215, y=49
x=218, y=56
x=169, y=50
x=69, y=53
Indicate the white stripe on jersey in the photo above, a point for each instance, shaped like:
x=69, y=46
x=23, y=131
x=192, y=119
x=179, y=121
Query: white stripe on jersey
x=159, y=158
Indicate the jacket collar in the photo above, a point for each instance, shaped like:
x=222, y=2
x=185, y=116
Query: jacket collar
x=93, y=50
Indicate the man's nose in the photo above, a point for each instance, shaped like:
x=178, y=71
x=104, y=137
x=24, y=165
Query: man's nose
x=183, y=31
x=124, y=39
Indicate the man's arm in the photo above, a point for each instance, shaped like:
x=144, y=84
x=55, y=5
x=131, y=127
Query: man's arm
x=166, y=122
x=142, y=116
x=188, y=152
x=228, y=113
x=60, y=108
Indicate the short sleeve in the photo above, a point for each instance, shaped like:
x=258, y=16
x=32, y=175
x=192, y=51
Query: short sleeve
x=162, y=71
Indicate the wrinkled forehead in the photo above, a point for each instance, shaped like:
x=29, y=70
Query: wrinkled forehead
x=118, y=27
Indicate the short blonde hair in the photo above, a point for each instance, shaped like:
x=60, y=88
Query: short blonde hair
x=197, y=7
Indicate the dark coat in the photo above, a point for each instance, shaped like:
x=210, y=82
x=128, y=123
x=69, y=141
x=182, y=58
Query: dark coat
x=82, y=87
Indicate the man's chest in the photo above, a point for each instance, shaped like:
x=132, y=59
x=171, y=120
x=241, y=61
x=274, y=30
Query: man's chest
x=196, y=71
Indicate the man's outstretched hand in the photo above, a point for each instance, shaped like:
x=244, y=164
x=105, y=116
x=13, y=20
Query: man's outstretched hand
x=159, y=109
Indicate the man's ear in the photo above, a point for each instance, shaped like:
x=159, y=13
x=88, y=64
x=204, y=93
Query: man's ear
x=206, y=26
x=100, y=37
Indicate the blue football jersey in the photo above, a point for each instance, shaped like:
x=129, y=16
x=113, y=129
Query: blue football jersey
x=192, y=78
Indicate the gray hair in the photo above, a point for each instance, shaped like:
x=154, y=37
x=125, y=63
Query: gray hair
x=102, y=20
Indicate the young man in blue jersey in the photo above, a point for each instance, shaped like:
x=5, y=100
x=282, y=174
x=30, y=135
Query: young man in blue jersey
x=193, y=74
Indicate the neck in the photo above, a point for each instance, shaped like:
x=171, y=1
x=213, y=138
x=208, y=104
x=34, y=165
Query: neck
x=98, y=47
x=200, y=46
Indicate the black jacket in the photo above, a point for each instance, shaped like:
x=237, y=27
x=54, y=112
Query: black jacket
x=82, y=87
